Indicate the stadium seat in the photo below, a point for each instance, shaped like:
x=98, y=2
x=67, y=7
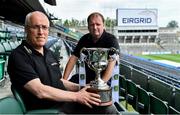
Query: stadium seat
x=125, y=70
x=23, y=107
x=123, y=111
x=122, y=88
x=2, y=52
x=9, y=105
x=132, y=93
x=161, y=90
x=157, y=106
x=143, y=101
x=140, y=78
x=17, y=43
x=7, y=46
x=13, y=45
x=177, y=99
x=2, y=48
x=172, y=110
x=4, y=56
x=4, y=36
x=2, y=73
x=119, y=107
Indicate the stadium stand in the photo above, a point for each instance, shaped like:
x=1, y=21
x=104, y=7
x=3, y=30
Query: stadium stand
x=166, y=73
x=152, y=82
x=141, y=75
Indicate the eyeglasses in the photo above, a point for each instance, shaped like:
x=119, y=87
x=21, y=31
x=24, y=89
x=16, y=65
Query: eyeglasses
x=38, y=27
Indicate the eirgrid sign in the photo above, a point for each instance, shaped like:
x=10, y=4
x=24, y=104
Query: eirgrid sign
x=137, y=17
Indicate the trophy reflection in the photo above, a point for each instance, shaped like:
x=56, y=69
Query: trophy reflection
x=97, y=59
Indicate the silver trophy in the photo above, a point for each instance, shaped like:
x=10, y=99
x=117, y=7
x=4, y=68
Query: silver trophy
x=97, y=59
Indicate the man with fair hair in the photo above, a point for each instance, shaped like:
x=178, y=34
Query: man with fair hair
x=96, y=38
x=35, y=73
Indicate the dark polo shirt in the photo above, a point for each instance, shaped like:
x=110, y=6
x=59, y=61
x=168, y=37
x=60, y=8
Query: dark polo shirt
x=26, y=64
x=107, y=40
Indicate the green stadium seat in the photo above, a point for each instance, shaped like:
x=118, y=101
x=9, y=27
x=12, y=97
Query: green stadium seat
x=143, y=101
x=2, y=48
x=4, y=35
x=172, y=110
x=6, y=54
x=125, y=70
x=17, y=43
x=7, y=46
x=140, y=78
x=38, y=111
x=157, y=106
x=2, y=64
x=9, y=105
x=132, y=93
x=123, y=111
x=119, y=107
x=177, y=99
x=161, y=90
x=13, y=45
x=122, y=88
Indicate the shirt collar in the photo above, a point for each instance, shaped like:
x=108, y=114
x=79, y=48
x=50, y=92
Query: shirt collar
x=30, y=49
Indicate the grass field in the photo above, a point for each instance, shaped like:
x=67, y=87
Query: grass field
x=170, y=57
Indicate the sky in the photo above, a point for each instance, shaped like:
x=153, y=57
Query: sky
x=168, y=10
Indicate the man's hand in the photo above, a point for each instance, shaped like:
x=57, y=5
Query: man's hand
x=87, y=98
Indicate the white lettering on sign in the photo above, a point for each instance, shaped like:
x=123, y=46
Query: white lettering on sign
x=136, y=20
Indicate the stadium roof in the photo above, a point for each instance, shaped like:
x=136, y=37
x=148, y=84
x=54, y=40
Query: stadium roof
x=16, y=10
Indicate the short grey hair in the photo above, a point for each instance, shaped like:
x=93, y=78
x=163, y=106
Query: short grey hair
x=27, y=19
x=28, y=16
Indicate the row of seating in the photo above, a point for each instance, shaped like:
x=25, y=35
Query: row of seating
x=161, y=89
x=9, y=46
x=5, y=50
x=141, y=100
x=15, y=105
x=9, y=105
x=11, y=34
x=4, y=35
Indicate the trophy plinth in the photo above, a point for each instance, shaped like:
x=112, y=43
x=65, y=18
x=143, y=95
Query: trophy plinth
x=97, y=59
x=100, y=87
x=105, y=95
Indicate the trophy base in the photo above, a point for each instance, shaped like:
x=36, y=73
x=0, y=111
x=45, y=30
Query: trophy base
x=106, y=95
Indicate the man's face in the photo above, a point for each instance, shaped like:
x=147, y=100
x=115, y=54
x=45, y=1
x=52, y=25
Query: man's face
x=38, y=30
x=96, y=26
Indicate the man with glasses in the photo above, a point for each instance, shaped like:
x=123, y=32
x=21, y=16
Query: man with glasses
x=35, y=73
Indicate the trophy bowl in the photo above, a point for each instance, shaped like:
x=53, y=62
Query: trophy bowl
x=97, y=59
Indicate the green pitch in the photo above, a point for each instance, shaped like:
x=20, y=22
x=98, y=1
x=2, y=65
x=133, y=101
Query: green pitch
x=170, y=57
